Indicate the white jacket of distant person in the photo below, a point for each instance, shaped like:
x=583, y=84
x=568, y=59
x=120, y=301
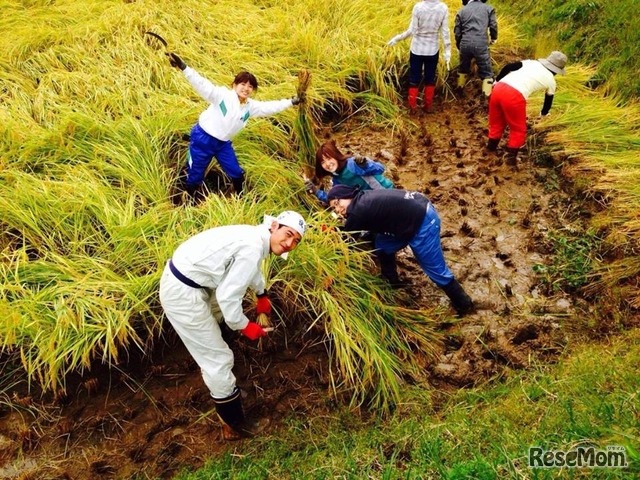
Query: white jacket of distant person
x=205, y=281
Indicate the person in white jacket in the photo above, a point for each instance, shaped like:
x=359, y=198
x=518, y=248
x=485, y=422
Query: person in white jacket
x=204, y=283
x=227, y=114
x=429, y=19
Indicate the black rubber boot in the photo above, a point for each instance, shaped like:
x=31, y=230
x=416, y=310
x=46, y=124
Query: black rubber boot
x=238, y=184
x=511, y=157
x=191, y=190
x=389, y=269
x=492, y=144
x=230, y=411
x=195, y=194
x=461, y=302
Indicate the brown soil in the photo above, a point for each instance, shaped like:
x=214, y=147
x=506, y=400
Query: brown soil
x=157, y=418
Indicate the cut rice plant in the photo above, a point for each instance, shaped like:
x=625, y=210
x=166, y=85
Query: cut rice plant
x=374, y=343
x=304, y=125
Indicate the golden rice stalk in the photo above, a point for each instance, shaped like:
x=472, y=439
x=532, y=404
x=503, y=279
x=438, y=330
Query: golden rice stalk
x=303, y=125
x=263, y=320
x=304, y=80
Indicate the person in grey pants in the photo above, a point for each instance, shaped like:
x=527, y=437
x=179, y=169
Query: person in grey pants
x=476, y=26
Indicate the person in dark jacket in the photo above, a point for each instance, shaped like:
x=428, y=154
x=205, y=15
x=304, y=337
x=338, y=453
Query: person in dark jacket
x=400, y=218
x=475, y=27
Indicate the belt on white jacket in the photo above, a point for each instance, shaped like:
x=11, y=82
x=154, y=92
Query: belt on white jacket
x=187, y=281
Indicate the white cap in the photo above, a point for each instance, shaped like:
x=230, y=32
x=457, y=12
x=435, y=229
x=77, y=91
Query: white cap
x=293, y=220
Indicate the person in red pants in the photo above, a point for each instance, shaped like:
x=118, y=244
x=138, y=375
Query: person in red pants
x=508, y=101
x=428, y=19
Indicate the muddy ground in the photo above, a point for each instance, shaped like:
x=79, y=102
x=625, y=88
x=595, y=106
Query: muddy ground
x=152, y=417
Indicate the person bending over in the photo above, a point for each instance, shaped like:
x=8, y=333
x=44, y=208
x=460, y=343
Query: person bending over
x=204, y=283
x=400, y=218
x=508, y=101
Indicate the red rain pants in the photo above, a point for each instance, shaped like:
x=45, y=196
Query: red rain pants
x=507, y=106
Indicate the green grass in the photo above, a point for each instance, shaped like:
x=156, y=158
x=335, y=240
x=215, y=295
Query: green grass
x=574, y=260
x=91, y=125
x=590, y=396
x=482, y=433
x=593, y=134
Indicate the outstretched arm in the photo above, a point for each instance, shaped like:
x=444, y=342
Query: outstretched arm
x=365, y=166
x=265, y=109
x=207, y=90
x=404, y=34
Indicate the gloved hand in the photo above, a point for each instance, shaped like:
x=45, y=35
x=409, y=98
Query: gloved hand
x=391, y=43
x=253, y=331
x=176, y=61
x=263, y=305
x=448, y=65
x=310, y=187
x=295, y=100
x=360, y=160
x=493, y=42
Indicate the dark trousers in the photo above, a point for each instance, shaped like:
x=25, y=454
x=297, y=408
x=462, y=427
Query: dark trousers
x=469, y=51
x=422, y=68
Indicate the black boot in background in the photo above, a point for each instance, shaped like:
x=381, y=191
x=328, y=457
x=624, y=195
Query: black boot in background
x=492, y=144
x=461, y=302
x=195, y=194
x=511, y=157
x=238, y=184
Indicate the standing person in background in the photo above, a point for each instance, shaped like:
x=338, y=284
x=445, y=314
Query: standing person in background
x=228, y=113
x=508, y=102
x=400, y=218
x=472, y=23
x=429, y=17
x=204, y=283
x=355, y=171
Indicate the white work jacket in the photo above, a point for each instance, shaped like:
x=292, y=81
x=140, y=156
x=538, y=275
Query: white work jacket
x=226, y=116
x=531, y=77
x=228, y=260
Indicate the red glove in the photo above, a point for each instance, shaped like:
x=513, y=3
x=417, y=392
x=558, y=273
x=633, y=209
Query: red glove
x=263, y=305
x=253, y=331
